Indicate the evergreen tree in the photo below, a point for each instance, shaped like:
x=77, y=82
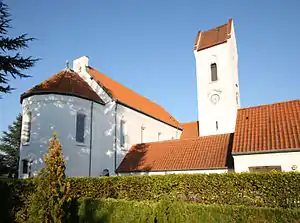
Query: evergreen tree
x=51, y=200
x=10, y=147
x=12, y=64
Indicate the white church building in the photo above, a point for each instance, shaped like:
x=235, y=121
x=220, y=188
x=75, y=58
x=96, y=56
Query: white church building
x=108, y=129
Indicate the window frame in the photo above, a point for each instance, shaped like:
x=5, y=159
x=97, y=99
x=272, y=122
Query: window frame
x=143, y=127
x=26, y=128
x=256, y=169
x=122, y=133
x=80, y=137
x=25, y=161
x=213, y=72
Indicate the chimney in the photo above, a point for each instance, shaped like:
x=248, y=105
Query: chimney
x=80, y=63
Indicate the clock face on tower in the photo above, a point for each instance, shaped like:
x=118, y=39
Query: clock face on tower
x=215, y=98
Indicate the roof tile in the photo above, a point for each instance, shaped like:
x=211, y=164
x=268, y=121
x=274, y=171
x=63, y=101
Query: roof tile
x=213, y=36
x=64, y=82
x=133, y=99
x=268, y=127
x=206, y=152
x=190, y=130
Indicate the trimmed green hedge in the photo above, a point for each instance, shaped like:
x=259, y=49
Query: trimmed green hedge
x=111, y=210
x=250, y=189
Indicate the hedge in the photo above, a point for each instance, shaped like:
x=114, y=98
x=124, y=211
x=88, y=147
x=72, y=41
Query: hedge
x=250, y=189
x=110, y=210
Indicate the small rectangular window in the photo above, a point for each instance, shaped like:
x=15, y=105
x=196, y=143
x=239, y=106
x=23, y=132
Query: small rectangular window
x=214, y=72
x=159, y=136
x=80, y=125
x=142, y=133
x=217, y=125
x=26, y=127
x=237, y=98
x=264, y=168
x=122, y=133
x=25, y=166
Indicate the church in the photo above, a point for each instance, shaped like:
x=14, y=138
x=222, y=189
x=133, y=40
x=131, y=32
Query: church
x=106, y=128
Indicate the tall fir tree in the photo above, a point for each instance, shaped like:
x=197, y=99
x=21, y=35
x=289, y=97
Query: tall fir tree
x=10, y=147
x=12, y=64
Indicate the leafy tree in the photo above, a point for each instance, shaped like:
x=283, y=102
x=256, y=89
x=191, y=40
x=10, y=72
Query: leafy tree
x=10, y=147
x=50, y=201
x=12, y=64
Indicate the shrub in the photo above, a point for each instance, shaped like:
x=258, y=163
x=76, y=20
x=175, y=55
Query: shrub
x=251, y=189
x=110, y=210
x=13, y=195
x=51, y=197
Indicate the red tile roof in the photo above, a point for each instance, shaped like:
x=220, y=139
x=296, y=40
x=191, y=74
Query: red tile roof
x=190, y=130
x=65, y=82
x=206, y=152
x=268, y=127
x=213, y=36
x=133, y=99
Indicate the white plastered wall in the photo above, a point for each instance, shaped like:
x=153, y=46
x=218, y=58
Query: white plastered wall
x=284, y=159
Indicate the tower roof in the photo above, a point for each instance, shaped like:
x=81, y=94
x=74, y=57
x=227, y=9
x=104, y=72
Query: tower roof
x=213, y=36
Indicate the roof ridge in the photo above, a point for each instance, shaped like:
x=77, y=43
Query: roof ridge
x=263, y=105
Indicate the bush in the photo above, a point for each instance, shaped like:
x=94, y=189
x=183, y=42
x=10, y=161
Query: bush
x=13, y=195
x=275, y=190
x=251, y=189
x=50, y=200
x=111, y=210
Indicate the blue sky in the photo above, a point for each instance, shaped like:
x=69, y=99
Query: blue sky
x=148, y=46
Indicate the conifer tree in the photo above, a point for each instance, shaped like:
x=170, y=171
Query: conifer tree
x=12, y=64
x=50, y=201
x=10, y=147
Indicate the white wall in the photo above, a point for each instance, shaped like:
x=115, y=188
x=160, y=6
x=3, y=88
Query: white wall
x=225, y=111
x=57, y=113
x=284, y=159
x=133, y=122
x=208, y=171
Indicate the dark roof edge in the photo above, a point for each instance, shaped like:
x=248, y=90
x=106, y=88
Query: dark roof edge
x=26, y=95
x=163, y=170
x=267, y=151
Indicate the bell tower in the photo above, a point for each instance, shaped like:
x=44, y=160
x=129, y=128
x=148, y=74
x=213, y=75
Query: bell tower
x=218, y=91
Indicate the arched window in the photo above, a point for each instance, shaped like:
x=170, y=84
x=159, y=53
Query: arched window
x=214, y=72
